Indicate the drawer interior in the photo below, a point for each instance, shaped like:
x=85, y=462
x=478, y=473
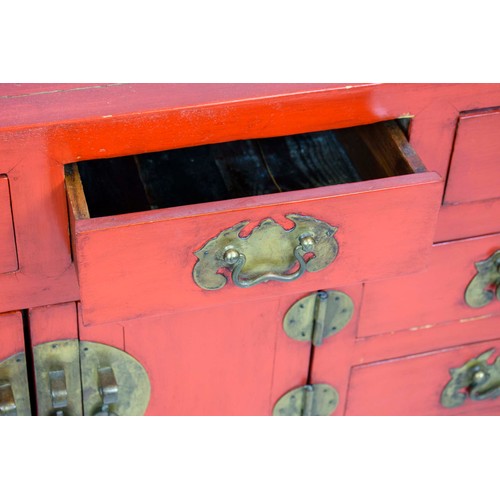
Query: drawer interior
x=243, y=168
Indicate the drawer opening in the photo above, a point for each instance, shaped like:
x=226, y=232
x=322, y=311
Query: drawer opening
x=239, y=169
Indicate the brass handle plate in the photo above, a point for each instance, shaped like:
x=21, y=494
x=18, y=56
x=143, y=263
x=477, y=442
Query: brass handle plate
x=486, y=283
x=476, y=379
x=268, y=253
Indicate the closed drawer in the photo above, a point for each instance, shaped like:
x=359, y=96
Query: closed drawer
x=438, y=294
x=475, y=164
x=140, y=237
x=471, y=205
x=462, y=380
x=8, y=253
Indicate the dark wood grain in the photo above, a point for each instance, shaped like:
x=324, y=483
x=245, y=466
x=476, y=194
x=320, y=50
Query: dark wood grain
x=308, y=160
x=204, y=173
x=112, y=186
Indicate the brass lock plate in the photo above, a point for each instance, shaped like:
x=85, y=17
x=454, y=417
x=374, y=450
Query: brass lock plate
x=57, y=373
x=308, y=400
x=14, y=392
x=268, y=253
x=318, y=316
x=113, y=382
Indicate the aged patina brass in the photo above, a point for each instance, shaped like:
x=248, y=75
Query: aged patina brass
x=57, y=373
x=14, y=392
x=113, y=382
x=486, y=284
x=268, y=253
x=308, y=400
x=318, y=316
x=476, y=379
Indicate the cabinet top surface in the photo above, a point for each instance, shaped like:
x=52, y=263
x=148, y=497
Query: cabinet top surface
x=33, y=105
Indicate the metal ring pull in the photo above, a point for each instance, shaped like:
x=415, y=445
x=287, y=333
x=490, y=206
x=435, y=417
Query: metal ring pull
x=58, y=392
x=233, y=257
x=108, y=390
x=8, y=406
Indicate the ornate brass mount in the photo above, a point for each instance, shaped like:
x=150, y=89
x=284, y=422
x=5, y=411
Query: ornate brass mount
x=486, y=284
x=113, y=382
x=307, y=401
x=75, y=378
x=476, y=379
x=318, y=316
x=268, y=253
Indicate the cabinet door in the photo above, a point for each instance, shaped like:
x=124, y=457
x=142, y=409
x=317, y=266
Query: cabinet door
x=226, y=360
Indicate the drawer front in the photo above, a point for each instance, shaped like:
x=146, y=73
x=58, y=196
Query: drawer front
x=426, y=385
x=130, y=266
x=8, y=254
x=475, y=165
x=435, y=295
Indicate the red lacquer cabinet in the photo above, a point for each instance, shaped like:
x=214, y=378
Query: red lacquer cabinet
x=264, y=249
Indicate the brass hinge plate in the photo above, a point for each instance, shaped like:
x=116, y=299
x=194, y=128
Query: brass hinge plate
x=318, y=316
x=308, y=400
x=14, y=392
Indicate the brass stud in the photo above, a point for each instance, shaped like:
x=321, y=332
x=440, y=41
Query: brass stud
x=231, y=256
x=307, y=243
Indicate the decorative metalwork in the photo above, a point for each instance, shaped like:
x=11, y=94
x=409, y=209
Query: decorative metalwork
x=14, y=393
x=476, y=380
x=268, y=253
x=318, y=316
x=486, y=284
x=307, y=401
x=113, y=382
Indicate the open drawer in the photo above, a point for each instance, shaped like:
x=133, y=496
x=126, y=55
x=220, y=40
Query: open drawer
x=231, y=222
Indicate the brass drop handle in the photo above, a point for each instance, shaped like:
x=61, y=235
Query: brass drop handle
x=8, y=406
x=237, y=259
x=269, y=252
x=476, y=379
x=108, y=389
